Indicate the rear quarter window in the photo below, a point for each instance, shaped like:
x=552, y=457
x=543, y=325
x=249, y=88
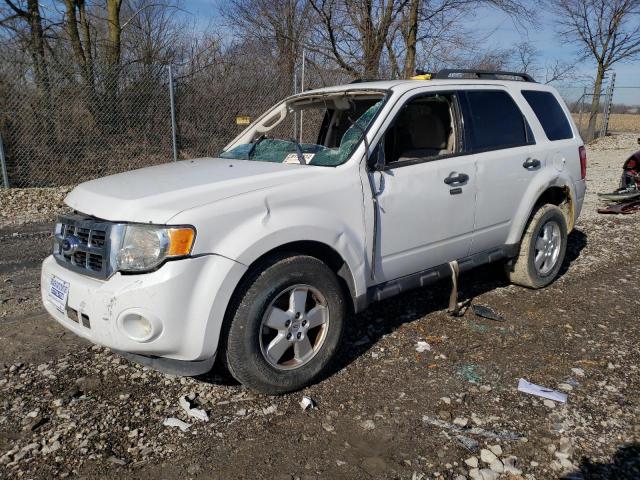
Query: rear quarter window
x=495, y=121
x=550, y=114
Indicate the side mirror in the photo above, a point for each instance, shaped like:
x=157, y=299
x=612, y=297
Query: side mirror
x=376, y=160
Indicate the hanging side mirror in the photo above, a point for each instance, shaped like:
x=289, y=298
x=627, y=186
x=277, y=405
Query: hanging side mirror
x=376, y=160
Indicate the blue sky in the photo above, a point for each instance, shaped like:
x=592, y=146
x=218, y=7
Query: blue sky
x=504, y=33
x=542, y=34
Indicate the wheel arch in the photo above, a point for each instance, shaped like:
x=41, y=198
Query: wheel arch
x=561, y=197
x=556, y=193
x=322, y=252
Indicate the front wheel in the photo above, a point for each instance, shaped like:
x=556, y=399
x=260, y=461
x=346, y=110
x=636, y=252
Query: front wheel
x=542, y=249
x=287, y=324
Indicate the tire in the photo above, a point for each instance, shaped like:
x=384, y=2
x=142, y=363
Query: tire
x=256, y=326
x=523, y=270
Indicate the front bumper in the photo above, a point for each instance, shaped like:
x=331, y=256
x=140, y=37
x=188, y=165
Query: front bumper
x=184, y=301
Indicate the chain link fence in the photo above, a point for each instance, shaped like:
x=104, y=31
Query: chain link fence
x=74, y=133
x=590, y=111
x=130, y=119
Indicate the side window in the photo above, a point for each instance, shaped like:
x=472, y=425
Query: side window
x=424, y=129
x=494, y=121
x=550, y=114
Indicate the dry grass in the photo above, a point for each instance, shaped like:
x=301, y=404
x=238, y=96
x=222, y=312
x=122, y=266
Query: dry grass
x=618, y=122
x=624, y=122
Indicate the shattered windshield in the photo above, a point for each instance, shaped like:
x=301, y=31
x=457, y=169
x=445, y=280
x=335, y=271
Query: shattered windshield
x=320, y=129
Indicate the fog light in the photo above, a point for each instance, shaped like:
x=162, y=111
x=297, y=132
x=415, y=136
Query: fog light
x=139, y=327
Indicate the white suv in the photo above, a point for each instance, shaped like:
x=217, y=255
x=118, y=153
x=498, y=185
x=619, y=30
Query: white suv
x=333, y=199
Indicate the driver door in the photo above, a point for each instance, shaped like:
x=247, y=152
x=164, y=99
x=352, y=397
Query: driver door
x=426, y=191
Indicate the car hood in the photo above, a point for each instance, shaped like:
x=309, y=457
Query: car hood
x=155, y=194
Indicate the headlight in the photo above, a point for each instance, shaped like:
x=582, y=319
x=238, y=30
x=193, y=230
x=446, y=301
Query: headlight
x=144, y=247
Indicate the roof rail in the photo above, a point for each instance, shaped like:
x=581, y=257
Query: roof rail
x=364, y=80
x=484, y=74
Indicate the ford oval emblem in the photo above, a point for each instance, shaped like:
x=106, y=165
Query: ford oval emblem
x=69, y=245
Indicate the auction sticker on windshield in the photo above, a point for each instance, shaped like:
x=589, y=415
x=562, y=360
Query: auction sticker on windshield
x=293, y=158
x=58, y=293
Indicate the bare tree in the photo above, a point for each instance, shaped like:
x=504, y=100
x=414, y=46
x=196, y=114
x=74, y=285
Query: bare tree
x=36, y=44
x=79, y=33
x=152, y=35
x=113, y=51
x=424, y=17
x=355, y=33
x=280, y=25
x=607, y=31
x=526, y=57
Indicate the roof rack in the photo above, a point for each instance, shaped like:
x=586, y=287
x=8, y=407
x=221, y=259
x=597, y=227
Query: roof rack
x=483, y=74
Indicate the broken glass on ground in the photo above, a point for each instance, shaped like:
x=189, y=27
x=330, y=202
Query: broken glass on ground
x=486, y=312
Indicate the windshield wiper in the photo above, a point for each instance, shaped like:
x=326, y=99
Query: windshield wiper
x=255, y=144
x=298, y=151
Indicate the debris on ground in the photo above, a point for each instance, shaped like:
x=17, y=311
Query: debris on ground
x=539, y=391
x=307, y=403
x=623, y=208
x=176, y=422
x=471, y=373
x=627, y=197
x=486, y=312
x=187, y=405
x=271, y=409
x=468, y=443
x=509, y=436
x=423, y=346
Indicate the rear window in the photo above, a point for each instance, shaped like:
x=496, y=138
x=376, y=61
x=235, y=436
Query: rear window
x=552, y=118
x=496, y=121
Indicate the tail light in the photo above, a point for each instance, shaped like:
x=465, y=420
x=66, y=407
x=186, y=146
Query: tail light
x=583, y=162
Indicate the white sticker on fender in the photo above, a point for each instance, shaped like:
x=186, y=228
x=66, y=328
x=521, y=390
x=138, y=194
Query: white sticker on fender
x=58, y=293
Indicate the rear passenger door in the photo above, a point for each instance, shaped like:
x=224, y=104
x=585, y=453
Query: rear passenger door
x=500, y=139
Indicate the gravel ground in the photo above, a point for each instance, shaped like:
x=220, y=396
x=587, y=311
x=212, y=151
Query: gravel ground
x=19, y=206
x=451, y=410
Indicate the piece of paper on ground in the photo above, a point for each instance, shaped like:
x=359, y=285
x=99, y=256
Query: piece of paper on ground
x=539, y=391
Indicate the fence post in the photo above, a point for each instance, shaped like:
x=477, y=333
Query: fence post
x=3, y=165
x=582, y=98
x=304, y=55
x=609, y=101
x=295, y=114
x=174, y=140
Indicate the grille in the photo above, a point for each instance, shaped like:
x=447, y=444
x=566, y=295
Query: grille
x=82, y=244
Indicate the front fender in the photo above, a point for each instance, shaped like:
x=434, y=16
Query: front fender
x=327, y=210
x=536, y=189
x=246, y=244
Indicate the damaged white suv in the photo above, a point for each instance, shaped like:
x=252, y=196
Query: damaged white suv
x=333, y=199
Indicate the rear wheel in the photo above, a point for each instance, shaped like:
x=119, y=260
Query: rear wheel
x=287, y=324
x=542, y=249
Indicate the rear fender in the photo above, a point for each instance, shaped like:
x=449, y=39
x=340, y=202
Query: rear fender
x=530, y=199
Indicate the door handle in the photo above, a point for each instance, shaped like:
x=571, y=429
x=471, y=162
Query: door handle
x=531, y=163
x=456, y=179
